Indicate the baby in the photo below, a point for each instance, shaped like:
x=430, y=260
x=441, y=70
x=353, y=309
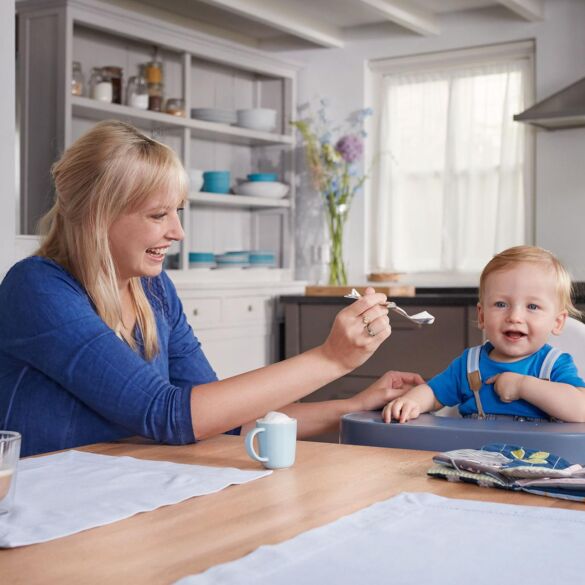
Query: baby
x=524, y=296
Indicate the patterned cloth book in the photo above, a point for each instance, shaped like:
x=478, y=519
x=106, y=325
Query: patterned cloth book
x=514, y=468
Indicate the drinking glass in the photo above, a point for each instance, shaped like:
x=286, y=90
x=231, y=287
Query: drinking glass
x=9, y=454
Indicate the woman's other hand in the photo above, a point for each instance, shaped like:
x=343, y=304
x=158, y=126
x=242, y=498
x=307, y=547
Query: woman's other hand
x=386, y=388
x=358, y=331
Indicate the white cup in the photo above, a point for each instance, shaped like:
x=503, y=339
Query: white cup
x=277, y=441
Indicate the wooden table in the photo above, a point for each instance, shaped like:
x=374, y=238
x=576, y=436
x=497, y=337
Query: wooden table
x=327, y=481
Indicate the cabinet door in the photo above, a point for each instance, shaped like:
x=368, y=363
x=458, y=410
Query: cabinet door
x=236, y=351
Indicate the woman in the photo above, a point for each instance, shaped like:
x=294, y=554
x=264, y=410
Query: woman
x=94, y=345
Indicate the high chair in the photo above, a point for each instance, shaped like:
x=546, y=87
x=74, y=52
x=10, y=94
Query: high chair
x=448, y=431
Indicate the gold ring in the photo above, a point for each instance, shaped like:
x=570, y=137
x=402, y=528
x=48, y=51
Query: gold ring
x=370, y=332
x=365, y=321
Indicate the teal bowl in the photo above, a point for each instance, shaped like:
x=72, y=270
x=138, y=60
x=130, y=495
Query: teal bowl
x=254, y=177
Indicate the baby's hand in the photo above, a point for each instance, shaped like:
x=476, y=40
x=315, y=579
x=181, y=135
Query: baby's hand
x=508, y=386
x=401, y=409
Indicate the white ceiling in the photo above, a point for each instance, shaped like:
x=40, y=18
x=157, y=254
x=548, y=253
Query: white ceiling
x=326, y=23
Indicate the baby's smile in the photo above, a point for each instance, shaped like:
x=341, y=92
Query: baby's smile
x=514, y=335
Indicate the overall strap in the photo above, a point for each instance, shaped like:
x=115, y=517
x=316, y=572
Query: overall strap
x=549, y=362
x=474, y=376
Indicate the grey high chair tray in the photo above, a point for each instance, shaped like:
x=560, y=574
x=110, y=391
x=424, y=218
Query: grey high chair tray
x=437, y=433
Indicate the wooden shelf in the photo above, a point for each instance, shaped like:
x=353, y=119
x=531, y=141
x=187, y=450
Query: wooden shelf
x=220, y=200
x=95, y=110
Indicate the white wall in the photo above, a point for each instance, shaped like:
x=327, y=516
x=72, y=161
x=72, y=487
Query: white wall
x=7, y=162
x=560, y=156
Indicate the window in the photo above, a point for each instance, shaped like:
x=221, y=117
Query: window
x=449, y=188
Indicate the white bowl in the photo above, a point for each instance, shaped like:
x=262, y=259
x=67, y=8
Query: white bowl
x=257, y=119
x=272, y=189
x=195, y=180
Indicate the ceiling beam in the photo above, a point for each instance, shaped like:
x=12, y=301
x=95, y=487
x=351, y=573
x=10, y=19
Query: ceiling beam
x=532, y=10
x=283, y=16
x=407, y=15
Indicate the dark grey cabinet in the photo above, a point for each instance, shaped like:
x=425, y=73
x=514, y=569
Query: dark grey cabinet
x=426, y=350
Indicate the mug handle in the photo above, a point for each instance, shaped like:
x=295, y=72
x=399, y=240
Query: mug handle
x=250, y=445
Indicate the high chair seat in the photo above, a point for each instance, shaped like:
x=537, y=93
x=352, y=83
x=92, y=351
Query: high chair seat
x=435, y=433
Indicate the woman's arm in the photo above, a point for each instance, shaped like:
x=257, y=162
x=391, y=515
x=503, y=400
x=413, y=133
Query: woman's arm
x=314, y=418
x=219, y=406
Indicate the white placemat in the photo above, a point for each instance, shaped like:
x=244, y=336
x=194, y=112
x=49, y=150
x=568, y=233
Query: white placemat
x=61, y=494
x=421, y=539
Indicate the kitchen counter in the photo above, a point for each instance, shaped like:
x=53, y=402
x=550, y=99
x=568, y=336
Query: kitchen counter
x=437, y=296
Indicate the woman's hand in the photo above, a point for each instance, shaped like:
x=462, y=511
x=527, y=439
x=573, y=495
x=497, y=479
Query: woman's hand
x=386, y=388
x=358, y=331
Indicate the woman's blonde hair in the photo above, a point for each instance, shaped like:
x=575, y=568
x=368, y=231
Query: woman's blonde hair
x=110, y=170
x=533, y=254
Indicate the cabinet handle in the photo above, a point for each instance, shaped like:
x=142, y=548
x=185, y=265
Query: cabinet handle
x=195, y=312
x=250, y=308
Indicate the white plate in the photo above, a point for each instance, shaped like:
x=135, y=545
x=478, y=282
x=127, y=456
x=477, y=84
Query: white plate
x=271, y=189
x=214, y=115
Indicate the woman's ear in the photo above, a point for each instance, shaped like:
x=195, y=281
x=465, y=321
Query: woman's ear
x=560, y=320
x=480, y=321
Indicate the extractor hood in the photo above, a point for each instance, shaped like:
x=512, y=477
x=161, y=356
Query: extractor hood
x=565, y=109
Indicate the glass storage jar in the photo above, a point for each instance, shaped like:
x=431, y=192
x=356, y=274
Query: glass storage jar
x=77, y=80
x=115, y=75
x=137, y=93
x=100, y=86
x=155, y=97
x=175, y=106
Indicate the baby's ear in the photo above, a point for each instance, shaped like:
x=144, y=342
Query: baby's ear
x=560, y=320
x=480, y=321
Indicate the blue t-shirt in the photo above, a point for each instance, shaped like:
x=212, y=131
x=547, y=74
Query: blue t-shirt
x=451, y=386
x=66, y=379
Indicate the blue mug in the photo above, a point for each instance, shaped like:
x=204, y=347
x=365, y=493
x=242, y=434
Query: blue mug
x=277, y=443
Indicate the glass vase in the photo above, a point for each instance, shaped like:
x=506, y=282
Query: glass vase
x=337, y=269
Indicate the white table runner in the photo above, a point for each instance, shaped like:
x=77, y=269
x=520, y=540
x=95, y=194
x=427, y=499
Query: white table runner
x=422, y=539
x=61, y=494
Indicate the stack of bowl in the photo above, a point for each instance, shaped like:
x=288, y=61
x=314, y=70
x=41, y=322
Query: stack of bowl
x=257, y=119
x=262, y=185
x=262, y=259
x=216, y=181
x=240, y=259
x=201, y=260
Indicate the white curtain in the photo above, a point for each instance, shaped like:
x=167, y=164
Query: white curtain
x=448, y=188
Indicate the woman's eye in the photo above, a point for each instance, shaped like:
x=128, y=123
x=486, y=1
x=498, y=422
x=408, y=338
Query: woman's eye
x=500, y=304
x=532, y=307
x=158, y=215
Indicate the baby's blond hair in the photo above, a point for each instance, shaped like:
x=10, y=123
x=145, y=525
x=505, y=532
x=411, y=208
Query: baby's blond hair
x=535, y=255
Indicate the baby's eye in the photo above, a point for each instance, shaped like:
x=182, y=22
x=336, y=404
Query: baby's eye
x=500, y=304
x=532, y=306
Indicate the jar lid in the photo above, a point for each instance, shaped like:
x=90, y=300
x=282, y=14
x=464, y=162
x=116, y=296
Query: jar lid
x=113, y=70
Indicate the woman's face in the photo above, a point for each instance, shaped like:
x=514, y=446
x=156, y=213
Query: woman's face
x=140, y=239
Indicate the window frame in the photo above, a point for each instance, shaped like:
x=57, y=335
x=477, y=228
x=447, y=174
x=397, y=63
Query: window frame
x=377, y=69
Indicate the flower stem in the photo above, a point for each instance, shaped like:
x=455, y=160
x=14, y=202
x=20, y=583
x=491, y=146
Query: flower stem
x=337, y=270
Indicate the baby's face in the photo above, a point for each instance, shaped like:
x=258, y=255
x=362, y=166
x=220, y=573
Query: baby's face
x=519, y=310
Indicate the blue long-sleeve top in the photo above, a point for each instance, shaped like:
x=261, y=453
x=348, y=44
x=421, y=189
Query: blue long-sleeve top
x=66, y=379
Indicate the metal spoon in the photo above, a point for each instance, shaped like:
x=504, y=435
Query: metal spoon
x=423, y=318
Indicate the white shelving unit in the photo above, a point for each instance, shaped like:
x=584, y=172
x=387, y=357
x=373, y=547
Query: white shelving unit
x=205, y=71
x=87, y=108
x=233, y=312
x=238, y=201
